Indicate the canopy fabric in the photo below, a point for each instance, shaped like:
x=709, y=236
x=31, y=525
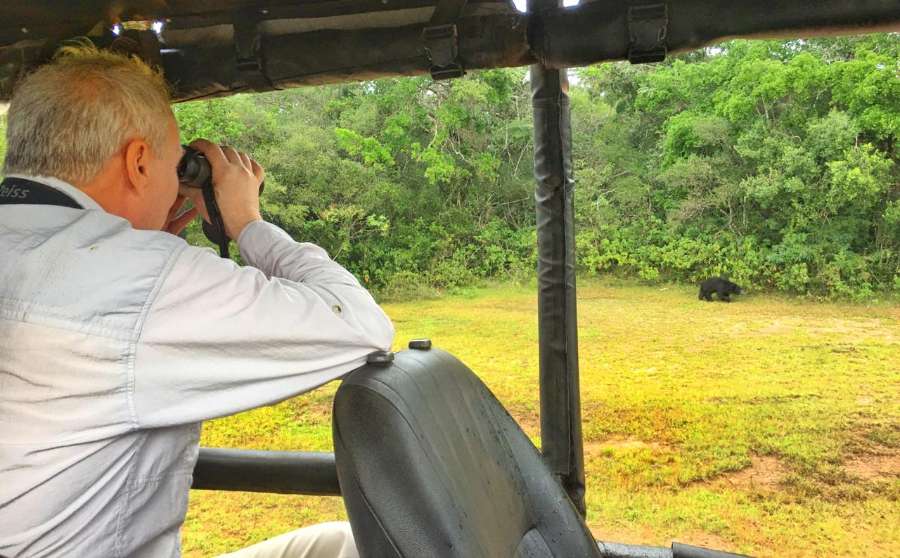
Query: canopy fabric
x=218, y=47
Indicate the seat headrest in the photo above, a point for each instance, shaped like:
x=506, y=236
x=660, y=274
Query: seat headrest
x=431, y=464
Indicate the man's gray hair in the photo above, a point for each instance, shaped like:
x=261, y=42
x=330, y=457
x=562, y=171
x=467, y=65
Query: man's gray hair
x=67, y=118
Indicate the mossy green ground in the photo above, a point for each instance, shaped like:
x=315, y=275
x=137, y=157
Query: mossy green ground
x=769, y=426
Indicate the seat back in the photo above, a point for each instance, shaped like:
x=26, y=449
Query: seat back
x=431, y=465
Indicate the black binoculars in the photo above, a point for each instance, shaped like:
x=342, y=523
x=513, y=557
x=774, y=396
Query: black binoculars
x=194, y=171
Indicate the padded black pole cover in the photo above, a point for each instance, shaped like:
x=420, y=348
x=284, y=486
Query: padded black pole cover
x=561, y=439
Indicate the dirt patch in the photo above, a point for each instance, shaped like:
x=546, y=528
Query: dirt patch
x=309, y=410
x=872, y=437
x=527, y=417
x=764, y=473
x=874, y=467
x=630, y=534
x=707, y=540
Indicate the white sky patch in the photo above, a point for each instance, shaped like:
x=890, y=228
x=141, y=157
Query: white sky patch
x=520, y=4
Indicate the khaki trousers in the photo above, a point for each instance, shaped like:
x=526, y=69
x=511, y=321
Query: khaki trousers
x=324, y=540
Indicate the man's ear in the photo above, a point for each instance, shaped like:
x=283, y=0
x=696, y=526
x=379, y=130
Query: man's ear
x=137, y=164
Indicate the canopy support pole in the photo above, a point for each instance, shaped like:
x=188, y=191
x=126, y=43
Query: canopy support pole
x=561, y=442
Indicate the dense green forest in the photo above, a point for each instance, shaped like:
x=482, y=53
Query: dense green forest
x=775, y=163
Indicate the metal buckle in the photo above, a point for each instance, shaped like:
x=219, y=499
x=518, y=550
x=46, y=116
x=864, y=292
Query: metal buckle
x=442, y=50
x=648, y=27
x=246, y=46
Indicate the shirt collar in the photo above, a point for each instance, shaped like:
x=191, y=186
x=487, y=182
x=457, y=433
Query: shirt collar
x=83, y=199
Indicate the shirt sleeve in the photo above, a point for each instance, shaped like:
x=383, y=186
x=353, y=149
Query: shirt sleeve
x=219, y=339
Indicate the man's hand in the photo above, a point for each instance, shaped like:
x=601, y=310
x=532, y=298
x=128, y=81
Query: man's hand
x=236, y=179
x=178, y=219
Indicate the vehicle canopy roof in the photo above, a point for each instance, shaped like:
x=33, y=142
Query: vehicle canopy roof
x=217, y=47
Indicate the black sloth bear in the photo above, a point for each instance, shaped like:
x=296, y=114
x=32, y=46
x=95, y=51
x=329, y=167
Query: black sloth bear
x=723, y=287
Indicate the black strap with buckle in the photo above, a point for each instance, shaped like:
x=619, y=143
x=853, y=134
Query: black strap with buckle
x=247, y=50
x=442, y=40
x=21, y=191
x=648, y=28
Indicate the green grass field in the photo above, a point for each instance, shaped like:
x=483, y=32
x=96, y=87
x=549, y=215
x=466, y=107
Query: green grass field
x=769, y=426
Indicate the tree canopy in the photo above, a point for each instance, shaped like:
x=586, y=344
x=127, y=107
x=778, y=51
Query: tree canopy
x=773, y=163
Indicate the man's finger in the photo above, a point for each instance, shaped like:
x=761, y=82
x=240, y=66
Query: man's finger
x=212, y=151
x=179, y=223
x=176, y=211
x=176, y=207
x=196, y=197
x=258, y=171
x=232, y=155
x=245, y=159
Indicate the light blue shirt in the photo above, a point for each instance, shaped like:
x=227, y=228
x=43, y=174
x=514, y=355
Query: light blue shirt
x=116, y=343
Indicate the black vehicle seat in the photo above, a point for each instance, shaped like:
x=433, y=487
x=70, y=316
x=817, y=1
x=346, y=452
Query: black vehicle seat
x=431, y=465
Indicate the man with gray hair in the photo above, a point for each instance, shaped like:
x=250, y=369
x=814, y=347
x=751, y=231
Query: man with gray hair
x=118, y=339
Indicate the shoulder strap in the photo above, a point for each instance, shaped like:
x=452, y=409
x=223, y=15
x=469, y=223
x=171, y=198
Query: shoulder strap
x=24, y=191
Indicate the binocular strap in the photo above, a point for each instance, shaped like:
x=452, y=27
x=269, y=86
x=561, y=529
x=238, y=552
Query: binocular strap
x=214, y=229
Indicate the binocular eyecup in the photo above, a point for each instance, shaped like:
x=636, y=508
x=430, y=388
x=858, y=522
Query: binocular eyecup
x=194, y=170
